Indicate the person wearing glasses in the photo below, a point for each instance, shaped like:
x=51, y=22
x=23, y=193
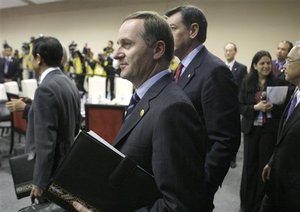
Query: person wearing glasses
x=282, y=173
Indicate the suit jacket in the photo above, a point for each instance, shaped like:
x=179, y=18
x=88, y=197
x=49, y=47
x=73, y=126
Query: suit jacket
x=209, y=84
x=164, y=135
x=285, y=170
x=247, y=102
x=13, y=69
x=239, y=71
x=281, y=74
x=53, y=121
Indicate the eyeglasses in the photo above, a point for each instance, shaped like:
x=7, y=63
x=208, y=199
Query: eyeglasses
x=288, y=61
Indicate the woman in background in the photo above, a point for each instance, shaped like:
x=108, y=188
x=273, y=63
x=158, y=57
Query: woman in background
x=260, y=120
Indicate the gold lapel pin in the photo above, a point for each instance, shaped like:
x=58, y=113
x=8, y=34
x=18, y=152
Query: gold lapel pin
x=142, y=112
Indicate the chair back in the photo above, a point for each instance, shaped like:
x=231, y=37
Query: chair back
x=28, y=87
x=3, y=95
x=123, y=90
x=96, y=86
x=12, y=87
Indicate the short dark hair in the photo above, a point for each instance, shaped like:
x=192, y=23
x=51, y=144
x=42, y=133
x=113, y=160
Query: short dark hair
x=50, y=50
x=156, y=28
x=289, y=43
x=191, y=14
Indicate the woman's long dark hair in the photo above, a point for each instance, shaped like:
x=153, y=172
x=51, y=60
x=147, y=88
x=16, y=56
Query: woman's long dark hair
x=251, y=79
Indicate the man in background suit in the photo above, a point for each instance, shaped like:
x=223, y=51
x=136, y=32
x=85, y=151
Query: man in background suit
x=163, y=133
x=9, y=65
x=238, y=70
x=54, y=116
x=283, y=48
x=210, y=85
x=282, y=173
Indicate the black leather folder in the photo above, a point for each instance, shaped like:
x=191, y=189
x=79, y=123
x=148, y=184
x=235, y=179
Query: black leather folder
x=22, y=171
x=100, y=177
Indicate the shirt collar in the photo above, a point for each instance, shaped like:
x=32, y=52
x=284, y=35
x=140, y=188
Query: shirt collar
x=298, y=96
x=46, y=72
x=148, y=83
x=188, y=59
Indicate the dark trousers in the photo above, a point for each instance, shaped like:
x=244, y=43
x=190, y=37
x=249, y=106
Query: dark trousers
x=110, y=82
x=268, y=205
x=258, y=148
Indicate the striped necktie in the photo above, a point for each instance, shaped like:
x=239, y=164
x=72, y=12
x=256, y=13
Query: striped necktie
x=6, y=65
x=133, y=102
x=292, y=106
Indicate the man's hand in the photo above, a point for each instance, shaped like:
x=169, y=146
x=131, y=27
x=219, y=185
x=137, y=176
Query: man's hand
x=80, y=208
x=36, y=192
x=16, y=105
x=266, y=173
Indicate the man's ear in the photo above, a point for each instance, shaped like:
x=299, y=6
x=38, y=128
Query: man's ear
x=194, y=30
x=39, y=59
x=159, y=49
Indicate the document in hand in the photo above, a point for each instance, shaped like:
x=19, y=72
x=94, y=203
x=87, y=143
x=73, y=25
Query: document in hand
x=277, y=94
x=100, y=177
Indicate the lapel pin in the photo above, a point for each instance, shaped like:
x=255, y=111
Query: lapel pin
x=142, y=112
x=189, y=75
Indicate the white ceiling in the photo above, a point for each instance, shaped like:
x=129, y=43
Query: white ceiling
x=5, y=4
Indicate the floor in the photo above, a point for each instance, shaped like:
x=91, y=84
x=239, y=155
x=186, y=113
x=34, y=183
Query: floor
x=226, y=199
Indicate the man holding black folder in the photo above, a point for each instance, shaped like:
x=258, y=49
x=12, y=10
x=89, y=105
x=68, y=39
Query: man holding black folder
x=54, y=116
x=161, y=131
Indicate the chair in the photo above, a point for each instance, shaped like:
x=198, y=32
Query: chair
x=96, y=90
x=28, y=87
x=5, y=121
x=123, y=90
x=18, y=124
x=12, y=87
x=105, y=120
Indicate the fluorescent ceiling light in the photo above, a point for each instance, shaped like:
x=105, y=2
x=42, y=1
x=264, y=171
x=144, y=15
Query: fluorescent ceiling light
x=43, y=1
x=11, y=3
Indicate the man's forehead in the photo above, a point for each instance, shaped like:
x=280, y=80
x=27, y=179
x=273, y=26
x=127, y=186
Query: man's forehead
x=294, y=53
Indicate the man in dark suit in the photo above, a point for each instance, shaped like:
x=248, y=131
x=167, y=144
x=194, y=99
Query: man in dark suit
x=163, y=133
x=9, y=66
x=210, y=85
x=282, y=173
x=283, y=48
x=54, y=116
x=238, y=70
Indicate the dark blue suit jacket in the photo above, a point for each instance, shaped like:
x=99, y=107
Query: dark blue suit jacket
x=13, y=69
x=284, y=181
x=209, y=84
x=239, y=71
x=164, y=136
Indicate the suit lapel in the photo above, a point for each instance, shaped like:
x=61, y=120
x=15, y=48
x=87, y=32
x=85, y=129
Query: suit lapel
x=142, y=108
x=135, y=117
x=285, y=125
x=288, y=124
x=191, y=68
x=234, y=67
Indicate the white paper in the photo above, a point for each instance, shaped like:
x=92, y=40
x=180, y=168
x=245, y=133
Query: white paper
x=277, y=94
x=100, y=139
